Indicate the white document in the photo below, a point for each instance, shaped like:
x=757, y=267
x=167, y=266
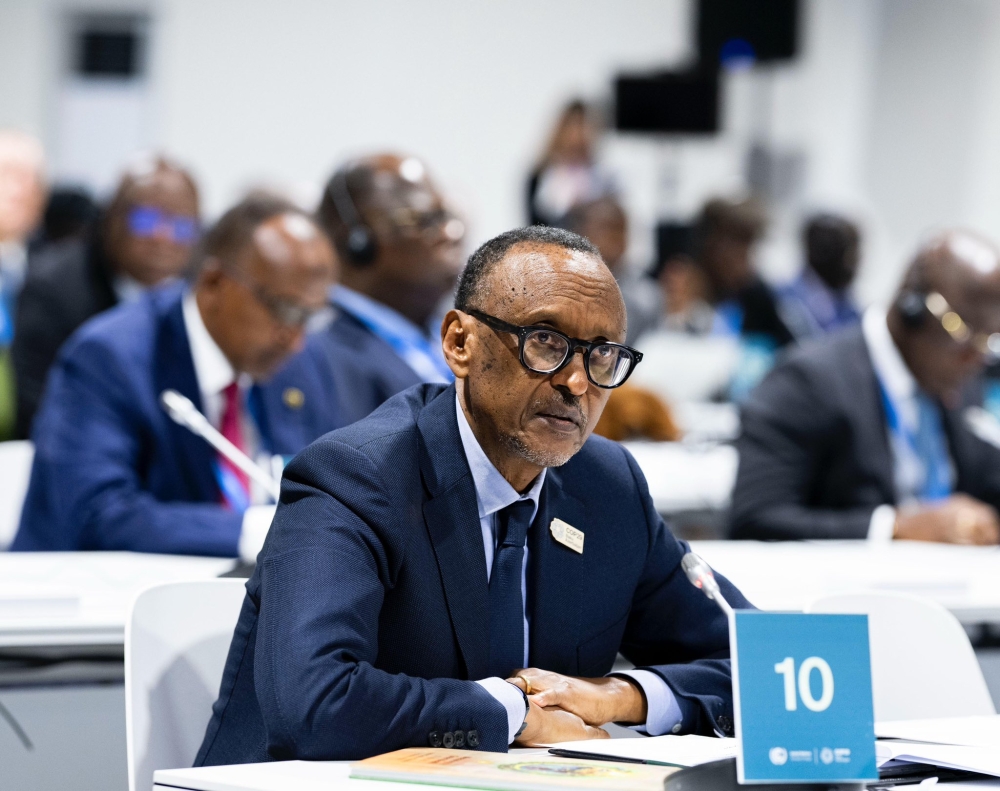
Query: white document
x=672, y=750
x=963, y=731
x=985, y=760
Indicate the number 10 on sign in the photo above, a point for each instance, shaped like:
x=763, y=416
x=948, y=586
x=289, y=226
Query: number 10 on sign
x=787, y=668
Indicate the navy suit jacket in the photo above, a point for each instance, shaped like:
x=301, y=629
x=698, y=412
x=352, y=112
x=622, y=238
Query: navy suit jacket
x=113, y=472
x=368, y=613
x=366, y=369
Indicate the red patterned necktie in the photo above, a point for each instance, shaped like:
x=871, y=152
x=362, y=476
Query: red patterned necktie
x=232, y=429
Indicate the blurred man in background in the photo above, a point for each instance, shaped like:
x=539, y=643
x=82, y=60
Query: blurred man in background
x=22, y=197
x=819, y=300
x=605, y=223
x=144, y=238
x=870, y=432
x=112, y=471
x=631, y=412
x=401, y=252
x=734, y=300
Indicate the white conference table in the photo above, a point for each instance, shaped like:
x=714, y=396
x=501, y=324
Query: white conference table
x=326, y=776
x=63, y=599
x=790, y=575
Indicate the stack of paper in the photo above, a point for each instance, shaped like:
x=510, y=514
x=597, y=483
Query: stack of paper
x=965, y=743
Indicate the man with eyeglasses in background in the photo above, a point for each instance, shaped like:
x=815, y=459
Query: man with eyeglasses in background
x=461, y=568
x=144, y=238
x=112, y=471
x=877, y=432
x=400, y=251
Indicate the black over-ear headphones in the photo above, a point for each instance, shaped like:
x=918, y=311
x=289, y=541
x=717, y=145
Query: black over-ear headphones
x=362, y=247
x=912, y=307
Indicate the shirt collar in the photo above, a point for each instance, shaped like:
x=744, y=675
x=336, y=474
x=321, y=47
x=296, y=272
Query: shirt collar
x=212, y=369
x=127, y=288
x=889, y=365
x=493, y=492
x=376, y=313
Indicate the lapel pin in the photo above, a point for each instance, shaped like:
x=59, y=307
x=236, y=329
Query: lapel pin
x=567, y=535
x=293, y=398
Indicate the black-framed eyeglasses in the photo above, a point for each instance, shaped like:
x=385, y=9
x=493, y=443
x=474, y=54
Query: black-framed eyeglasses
x=287, y=313
x=544, y=350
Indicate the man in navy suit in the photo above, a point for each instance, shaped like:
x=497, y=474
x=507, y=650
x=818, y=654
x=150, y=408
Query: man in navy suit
x=112, y=471
x=401, y=254
x=423, y=557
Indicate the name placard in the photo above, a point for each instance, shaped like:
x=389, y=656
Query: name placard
x=803, y=697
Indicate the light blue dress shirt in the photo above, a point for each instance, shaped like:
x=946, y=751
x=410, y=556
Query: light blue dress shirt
x=494, y=493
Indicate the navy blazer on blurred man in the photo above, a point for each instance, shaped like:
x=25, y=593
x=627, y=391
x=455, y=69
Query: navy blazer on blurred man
x=112, y=471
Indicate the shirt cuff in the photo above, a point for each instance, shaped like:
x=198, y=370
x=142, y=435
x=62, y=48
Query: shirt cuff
x=511, y=698
x=256, y=523
x=663, y=713
x=882, y=524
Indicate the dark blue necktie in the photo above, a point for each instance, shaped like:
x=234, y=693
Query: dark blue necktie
x=506, y=603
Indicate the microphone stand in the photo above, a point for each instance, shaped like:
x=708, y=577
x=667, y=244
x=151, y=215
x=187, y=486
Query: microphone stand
x=183, y=412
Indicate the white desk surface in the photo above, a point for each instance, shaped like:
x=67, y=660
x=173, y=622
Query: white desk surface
x=280, y=776
x=687, y=477
x=789, y=575
x=325, y=776
x=83, y=598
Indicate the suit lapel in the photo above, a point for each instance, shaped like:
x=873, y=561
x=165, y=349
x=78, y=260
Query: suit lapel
x=451, y=515
x=555, y=581
x=175, y=370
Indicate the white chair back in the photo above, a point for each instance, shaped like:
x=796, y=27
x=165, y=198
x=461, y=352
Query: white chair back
x=923, y=665
x=176, y=642
x=15, y=471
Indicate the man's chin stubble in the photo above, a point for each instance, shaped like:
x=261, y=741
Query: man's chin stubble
x=539, y=458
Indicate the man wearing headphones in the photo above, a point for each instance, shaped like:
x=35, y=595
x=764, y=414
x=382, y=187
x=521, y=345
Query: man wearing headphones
x=876, y=431
x=401, y=254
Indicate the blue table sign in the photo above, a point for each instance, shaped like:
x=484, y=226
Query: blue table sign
x=802, y=686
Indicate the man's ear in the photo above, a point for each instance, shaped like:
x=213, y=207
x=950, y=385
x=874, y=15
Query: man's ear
x=454, y=342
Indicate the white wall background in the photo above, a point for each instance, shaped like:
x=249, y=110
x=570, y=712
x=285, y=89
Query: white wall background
x=894, y=103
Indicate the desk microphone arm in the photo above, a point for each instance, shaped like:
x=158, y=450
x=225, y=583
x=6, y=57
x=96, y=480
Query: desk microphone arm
x=183, y=412
x=701, y=576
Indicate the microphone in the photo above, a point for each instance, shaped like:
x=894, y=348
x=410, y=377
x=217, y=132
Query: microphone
x=183, y=412
x=701, y=576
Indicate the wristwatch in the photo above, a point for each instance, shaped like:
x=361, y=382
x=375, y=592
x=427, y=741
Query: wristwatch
x=527, y=708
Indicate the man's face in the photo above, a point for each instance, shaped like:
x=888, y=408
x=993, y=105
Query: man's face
x=420, y=243
x=152, y=231
x=727, y=260
x=607, y=228
x=943, y=366
x=259, y=305
x=541, y=418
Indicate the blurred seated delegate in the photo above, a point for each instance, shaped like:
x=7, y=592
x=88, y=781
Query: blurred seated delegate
x=112, y=471
x=22, y=196
x=567, y=173
x=819, y=300
x=400, y=253
x=717, y=291
x=461, y=567
x=605, y=223
x=874, y=431
x=144, y=237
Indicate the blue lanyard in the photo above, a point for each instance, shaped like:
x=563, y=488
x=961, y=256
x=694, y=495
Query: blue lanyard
x=406, y=348
x=937, y=470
